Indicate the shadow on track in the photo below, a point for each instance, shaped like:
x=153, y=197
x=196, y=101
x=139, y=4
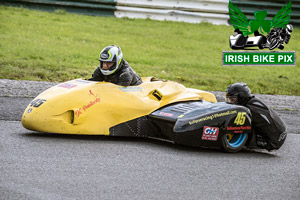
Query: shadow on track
x=150, y=142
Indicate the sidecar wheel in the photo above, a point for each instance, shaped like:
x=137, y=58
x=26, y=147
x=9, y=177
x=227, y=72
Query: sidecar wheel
x=234, y=142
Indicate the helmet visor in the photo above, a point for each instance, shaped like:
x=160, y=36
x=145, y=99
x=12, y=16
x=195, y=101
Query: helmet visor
x=107, y=65
x=231, y=99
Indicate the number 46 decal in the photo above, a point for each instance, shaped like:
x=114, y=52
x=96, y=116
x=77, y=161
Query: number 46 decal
x=240, y=118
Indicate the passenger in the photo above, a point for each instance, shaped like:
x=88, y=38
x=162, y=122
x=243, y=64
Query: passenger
x=114, y=69
x=269, y=129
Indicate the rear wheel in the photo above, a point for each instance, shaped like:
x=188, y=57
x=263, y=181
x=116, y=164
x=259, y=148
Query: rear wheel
x=234, y=142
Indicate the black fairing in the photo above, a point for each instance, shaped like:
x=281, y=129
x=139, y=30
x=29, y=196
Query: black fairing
x=195, y=123
x=139, y=127
x=200, y=123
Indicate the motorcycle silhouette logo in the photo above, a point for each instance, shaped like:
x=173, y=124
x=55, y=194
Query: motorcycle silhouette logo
x=278, y=30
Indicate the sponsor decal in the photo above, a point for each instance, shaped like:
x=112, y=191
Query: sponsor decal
x=157, y=94
x=213, y=116
x=131, y=89
x=37, y=102
x=282, y=136
x=67, y=85
x=210, y=133
x=83, y=81
x=85, y=107
x=238, y=129
x=260, y=33
x=104, y=55
x=91, y=93
x=166, y=114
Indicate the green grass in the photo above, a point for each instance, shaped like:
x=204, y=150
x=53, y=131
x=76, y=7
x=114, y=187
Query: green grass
x=59, y=46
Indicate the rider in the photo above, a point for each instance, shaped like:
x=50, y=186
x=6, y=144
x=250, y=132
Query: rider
x=268, y=127
x=113, y=68
x=282, y=35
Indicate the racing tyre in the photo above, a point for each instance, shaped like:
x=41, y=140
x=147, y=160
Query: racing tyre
x=262, y=42
x=234, y=142
x=281, y=47
x=273, y=44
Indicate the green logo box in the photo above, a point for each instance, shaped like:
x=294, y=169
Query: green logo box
x=259, y=58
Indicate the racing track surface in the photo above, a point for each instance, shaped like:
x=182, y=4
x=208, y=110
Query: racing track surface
x=35, y=165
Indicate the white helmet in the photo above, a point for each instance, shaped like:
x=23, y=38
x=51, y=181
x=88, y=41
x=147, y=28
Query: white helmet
x=289, y=28
x=113, y=54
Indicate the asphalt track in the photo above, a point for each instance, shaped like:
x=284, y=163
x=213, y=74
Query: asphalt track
x=36, y=165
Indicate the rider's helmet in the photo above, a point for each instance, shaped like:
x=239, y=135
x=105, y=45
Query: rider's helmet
x=288, y=31
x=110, y=54
x=289, y=28
x=237, y=93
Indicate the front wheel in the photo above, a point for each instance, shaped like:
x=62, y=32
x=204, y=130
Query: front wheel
x=274, y=43
x=234, y=142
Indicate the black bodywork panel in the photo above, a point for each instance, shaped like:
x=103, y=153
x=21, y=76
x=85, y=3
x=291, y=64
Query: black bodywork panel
x=193, y=123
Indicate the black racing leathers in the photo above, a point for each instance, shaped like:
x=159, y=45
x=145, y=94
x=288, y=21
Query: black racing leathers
x=124, y=76
x=267, y=123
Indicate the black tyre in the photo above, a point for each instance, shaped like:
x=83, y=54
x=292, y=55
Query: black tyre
x=281, y=47
x=234, y=142
x=273, y=44
x=262, y=42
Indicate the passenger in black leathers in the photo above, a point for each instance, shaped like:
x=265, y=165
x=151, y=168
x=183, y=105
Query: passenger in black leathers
x=269, y=129
x=114, y=69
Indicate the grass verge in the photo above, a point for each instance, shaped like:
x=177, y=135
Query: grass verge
x=59, y=46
